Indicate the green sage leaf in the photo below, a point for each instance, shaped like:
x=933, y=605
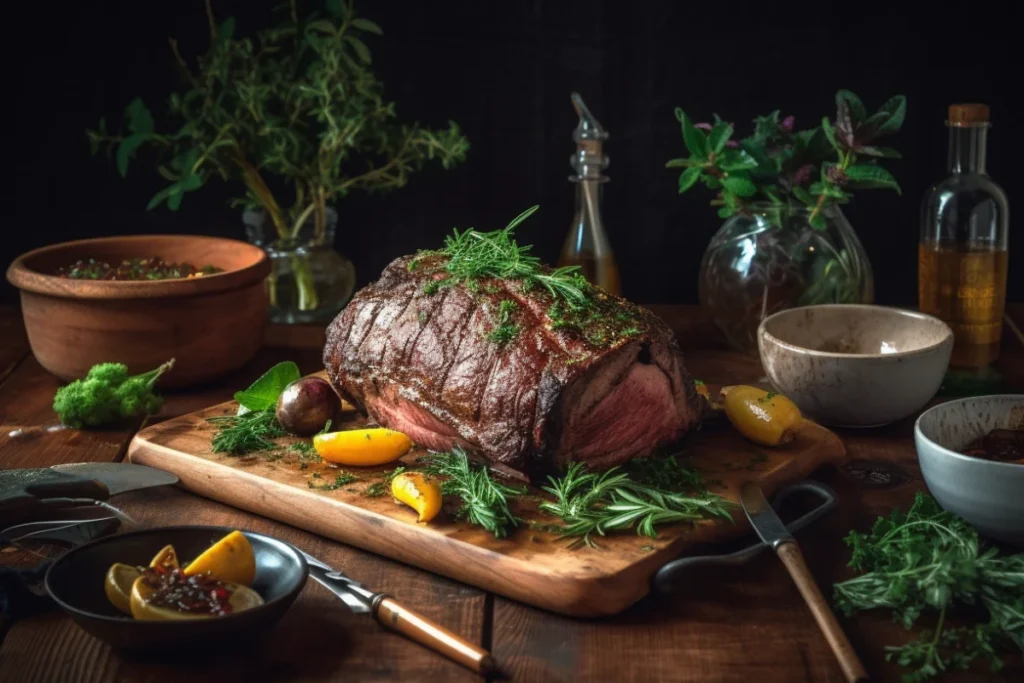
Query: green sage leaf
x=264, y=392
x=817, y=221
x=736, y=160
x=867, y=176
x=803, y=195
x=226, y=30
x=164, y=195
x=683, y=163
x=830, y=132
x=336, y=8
x=896, y=108
x=174, y=199
x=881, y=152
x=687, y=179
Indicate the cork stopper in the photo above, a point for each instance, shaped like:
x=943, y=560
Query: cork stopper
x=968, y=115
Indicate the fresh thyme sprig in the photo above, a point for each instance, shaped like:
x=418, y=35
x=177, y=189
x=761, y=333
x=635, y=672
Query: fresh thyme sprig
x=241, y=434
x=591, y=503
x=473, y=255
x=930, y=559
x=485, y=502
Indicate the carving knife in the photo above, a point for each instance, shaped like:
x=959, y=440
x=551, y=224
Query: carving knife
x=30, y=493
x=774, y=533
x=392, y=614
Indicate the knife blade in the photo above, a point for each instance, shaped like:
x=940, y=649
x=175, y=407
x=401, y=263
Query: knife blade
x=26, y=492
x=774, y=533
x=762, y=516
x=387, y=612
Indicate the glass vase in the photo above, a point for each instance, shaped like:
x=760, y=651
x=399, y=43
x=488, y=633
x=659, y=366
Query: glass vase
x=309, y=281
x=769, y=258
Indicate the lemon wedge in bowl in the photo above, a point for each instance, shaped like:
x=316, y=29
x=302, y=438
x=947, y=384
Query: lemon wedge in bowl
x=144, y=608
x=118, y=585
x=230, y=560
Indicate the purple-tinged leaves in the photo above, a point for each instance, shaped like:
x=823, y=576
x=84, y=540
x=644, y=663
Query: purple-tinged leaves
x=683, y=163
x=703, y=126
x=788, y=123
x=880, y=152
x=802, y=175
x=846, y=99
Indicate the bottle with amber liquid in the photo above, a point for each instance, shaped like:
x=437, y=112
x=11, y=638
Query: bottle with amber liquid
x=587, y=244
x=962, y=256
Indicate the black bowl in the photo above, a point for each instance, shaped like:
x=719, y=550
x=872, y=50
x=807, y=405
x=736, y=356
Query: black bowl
x=75, y=581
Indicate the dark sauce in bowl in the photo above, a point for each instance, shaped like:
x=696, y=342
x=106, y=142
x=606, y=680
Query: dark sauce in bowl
x=133, y=269
x=1000, y=445
x=192, y=594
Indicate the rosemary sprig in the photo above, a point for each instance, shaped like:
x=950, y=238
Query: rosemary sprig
x=591, y=503
x=241, y=434
x=484, y=500
x=473, y=255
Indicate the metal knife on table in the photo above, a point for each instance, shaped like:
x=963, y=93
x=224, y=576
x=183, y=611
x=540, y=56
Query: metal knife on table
x=31, y=494
x=774, y=533
x=397, y=617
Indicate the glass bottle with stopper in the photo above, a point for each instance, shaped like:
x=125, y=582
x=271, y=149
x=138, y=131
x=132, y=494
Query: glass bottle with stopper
x=587, y=245
x=962, y=255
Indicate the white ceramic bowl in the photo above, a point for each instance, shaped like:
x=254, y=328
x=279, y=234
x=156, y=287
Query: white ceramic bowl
x=849, y=365
x=988, y=494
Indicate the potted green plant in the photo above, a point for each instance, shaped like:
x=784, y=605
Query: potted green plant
x=297, y=119
x=786, y=241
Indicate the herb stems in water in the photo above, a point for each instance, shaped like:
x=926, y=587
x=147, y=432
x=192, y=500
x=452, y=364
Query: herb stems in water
x=241, y=434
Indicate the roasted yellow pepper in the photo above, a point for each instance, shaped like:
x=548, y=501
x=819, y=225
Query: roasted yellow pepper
x=118, y=585
x=166, y=558
x=362, y=447
x=421, y=494
x=764, y=417
x=230, y=559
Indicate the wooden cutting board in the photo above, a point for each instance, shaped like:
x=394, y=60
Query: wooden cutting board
x=531, y=565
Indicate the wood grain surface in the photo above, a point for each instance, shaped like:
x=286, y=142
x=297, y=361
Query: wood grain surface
x=732, y=625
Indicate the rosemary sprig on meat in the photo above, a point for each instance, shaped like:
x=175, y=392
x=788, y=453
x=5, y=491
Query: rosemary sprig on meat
x=473, y=255
x=485, y=502
x=590, y=503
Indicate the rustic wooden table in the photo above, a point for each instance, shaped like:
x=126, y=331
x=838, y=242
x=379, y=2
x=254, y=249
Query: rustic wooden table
x=728, y=624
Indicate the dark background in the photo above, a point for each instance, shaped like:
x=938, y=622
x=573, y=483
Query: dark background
x=504, y=71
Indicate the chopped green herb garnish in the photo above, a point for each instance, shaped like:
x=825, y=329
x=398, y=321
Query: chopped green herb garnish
x=241, y=434
x=505, y=330
x=340, y=480
x=375, y=490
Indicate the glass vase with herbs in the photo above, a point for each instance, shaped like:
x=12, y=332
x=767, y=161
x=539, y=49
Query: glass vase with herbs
x=786, y=241
x=296, y=116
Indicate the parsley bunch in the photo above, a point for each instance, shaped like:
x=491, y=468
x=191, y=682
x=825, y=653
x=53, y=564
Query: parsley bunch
x=931, y=560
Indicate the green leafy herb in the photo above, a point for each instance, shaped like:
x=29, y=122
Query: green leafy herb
x=591, y=503
x=472, y=255
x=781, y=166
x=390, y=476
x=264, y=392
x=339, y=480
x=665, y=472
x=241, y=434
x=305, y=451
x=931, y=560
x=505, y=330
x=108, y=395
x=375, y=490
x=485, y=502
x=293, y=114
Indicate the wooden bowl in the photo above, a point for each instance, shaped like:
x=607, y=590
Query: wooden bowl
x=210, y=325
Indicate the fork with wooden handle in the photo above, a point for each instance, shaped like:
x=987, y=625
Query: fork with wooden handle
x=775, y=534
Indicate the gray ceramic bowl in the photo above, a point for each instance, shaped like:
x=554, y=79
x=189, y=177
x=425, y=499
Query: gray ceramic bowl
x=989, y=495
x=848, y=365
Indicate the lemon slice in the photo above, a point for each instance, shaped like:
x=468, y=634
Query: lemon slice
x=166, y=558
x=419, y=493
x=362, y=447
x=118, y=585
x=230, y=559
x=242, y=598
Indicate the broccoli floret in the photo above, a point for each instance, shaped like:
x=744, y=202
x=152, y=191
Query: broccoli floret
x=108, y=395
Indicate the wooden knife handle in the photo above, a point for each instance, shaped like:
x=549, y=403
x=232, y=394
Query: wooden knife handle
x=794, y=561
x=425, y=632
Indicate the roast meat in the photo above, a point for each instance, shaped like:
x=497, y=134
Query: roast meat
x=530, y=397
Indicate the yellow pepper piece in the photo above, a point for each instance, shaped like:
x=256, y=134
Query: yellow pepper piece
x=166, y=558
x=230, y=560
x=764, y=417
x=419, y=493
x=362, y=447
